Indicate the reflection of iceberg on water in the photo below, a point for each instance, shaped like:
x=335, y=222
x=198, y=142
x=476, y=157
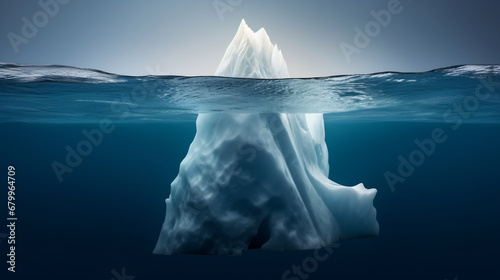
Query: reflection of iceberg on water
x=260, y=180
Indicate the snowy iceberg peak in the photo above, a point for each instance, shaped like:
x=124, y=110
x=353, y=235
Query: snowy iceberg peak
x=252, y=55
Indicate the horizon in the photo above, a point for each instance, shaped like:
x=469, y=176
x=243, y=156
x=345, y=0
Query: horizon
x=194, y=76
x=159, y=38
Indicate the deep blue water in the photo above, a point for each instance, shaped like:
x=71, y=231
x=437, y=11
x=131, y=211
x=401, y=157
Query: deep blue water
x=442, y=222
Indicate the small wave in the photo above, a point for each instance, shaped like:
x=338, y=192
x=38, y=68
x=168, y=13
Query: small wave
x=54, y=73
x=67, y=94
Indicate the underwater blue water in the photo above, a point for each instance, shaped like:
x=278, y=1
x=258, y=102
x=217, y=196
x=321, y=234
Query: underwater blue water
x=442, y=222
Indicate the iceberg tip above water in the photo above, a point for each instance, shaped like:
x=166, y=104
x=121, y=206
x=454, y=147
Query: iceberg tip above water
x=252, y=55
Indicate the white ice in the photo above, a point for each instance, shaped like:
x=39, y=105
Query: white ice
x=260, y=180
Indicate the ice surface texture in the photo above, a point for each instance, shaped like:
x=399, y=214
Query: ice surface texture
x=260, y=180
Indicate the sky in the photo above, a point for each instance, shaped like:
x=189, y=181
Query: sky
x=189, y=37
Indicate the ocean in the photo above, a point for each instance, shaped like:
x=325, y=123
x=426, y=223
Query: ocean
x=428, y=142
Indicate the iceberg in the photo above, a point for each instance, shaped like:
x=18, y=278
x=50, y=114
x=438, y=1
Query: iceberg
x=260, y=180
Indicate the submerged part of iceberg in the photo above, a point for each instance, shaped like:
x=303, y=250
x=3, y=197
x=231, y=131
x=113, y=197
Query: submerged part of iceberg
x=260, y=180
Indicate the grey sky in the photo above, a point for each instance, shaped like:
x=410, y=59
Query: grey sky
x=190, y=37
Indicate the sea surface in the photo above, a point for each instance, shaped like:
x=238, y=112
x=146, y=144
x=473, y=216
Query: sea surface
x=437, y=204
